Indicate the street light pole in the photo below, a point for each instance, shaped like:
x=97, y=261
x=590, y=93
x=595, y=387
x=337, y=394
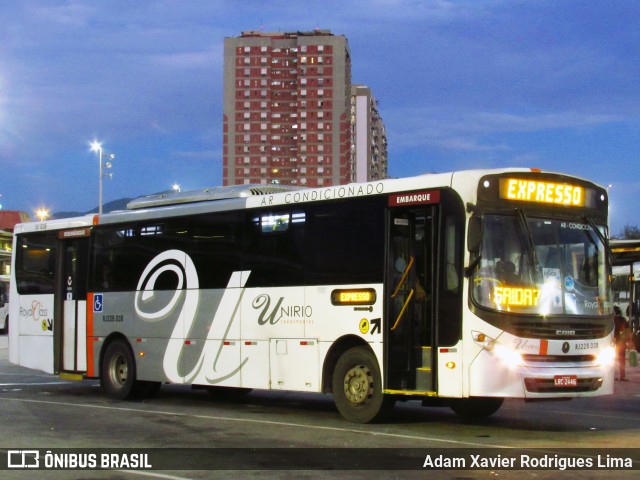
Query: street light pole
x=97, y=147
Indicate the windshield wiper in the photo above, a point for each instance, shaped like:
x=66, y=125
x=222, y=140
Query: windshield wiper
x=524, y=227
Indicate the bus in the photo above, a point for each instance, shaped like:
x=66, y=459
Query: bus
x=457, y=289
x=625, y=287
x=4, y=303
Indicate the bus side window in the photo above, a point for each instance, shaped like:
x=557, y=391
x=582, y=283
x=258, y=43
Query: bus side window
x=215, y=247
x=450, y=294
x=345, y=242
x=451, y=255
x=35, y=263
x=273, y=248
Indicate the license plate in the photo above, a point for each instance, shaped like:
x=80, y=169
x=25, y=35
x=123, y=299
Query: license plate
x=565, y=381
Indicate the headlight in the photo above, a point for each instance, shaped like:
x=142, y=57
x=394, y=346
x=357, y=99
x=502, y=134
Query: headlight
x=607, y=357
x=508, y=356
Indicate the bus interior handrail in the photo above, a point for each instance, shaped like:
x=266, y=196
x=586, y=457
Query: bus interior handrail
x=403, y=278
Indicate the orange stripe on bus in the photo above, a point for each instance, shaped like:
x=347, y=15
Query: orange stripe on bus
x=544, y=345
x=90, y=366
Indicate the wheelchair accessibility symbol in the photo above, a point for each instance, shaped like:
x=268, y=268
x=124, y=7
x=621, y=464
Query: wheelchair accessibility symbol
x=97, y=302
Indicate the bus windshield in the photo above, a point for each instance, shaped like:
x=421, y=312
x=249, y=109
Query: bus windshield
x=533, y=265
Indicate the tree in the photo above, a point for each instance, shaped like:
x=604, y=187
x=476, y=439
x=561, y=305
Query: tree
x=630, y=232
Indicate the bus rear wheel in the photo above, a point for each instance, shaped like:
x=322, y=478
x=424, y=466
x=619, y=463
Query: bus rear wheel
x=357, y=387
x=118, y=371
x=477, y=407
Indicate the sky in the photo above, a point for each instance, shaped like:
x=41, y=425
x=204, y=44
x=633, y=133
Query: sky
x=461, y=84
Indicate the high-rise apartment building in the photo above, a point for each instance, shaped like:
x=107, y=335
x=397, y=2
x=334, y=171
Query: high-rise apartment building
x=287, y=102
x=368, y=136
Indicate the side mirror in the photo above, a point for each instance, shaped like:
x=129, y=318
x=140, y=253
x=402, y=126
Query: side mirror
x=474, y=236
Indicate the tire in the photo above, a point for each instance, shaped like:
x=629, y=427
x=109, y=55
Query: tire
x=118, y=373
x=477, y=407
x=357, y=387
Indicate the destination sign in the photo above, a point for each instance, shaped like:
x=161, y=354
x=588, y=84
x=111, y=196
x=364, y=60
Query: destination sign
x=359, y=296
x=542, y=191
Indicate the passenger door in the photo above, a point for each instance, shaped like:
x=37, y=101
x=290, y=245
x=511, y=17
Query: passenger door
x=70, y=333
x=410, y=307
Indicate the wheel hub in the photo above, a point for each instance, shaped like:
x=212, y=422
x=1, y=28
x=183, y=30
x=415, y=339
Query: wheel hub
x=120, y=370
x=358, y=386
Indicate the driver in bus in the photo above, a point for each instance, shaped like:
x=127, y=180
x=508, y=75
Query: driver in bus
x=506, y=272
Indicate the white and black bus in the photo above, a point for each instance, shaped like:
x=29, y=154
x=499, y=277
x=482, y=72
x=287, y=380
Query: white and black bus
x=458, y=289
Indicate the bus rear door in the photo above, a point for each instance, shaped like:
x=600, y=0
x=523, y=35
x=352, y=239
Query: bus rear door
x=70, y=334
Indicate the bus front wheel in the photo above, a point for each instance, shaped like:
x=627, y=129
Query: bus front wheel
x=357, y=387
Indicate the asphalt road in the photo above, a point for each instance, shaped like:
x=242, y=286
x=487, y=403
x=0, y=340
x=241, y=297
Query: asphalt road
x=40, y=411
